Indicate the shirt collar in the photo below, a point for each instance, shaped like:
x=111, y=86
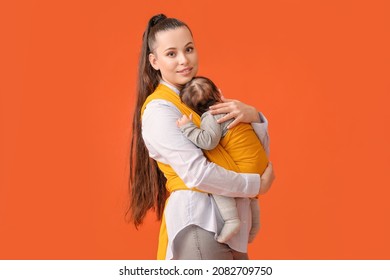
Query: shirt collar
x=170, y=86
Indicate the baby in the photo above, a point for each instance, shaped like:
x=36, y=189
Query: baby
x=199, y=94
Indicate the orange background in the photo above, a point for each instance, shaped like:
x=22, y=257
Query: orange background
x=319, y=70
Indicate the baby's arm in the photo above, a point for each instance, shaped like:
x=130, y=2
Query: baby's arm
x=207, y=136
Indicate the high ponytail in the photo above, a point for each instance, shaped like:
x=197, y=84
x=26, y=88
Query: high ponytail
x=147, y=183
x=148, y=77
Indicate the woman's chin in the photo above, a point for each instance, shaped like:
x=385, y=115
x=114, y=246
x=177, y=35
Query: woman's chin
x=186, y=79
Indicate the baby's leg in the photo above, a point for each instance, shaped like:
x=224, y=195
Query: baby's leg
x=228, y=209
x=255, y=209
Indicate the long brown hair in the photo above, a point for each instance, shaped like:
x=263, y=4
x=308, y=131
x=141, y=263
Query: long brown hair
x=147, y=183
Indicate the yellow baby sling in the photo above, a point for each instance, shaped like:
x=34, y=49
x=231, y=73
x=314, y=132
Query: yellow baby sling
x=240, y=144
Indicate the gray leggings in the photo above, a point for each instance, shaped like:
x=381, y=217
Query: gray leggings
x=195, y=243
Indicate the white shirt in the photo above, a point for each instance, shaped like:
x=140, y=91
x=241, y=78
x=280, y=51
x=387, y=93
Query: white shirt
x=168, y=145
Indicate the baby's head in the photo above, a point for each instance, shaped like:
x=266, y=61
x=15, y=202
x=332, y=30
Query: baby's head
x=199, y=94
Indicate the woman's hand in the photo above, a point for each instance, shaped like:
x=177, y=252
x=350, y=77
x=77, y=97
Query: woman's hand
x=266, y=179
x=241, y=112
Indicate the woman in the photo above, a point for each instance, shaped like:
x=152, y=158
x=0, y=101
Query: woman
x=190, y=219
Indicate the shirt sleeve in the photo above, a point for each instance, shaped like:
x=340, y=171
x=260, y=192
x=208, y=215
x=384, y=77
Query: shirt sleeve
x=167, y=144
x=261, y=130
x=207, y=136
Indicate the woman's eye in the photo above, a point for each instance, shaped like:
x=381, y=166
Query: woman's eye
x=190, y=49
x=171, y=54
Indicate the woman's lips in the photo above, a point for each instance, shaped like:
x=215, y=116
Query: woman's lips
x=185, y=71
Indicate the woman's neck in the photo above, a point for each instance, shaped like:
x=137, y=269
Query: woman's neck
x=174, y=88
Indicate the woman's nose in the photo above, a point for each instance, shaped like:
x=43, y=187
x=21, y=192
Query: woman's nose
x=183, y=59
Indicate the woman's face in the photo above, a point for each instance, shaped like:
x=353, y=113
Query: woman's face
x=175, y=56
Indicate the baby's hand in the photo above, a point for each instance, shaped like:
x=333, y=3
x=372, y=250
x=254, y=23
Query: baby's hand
x=183, y=120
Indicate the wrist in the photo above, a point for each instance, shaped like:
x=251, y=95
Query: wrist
x=256, y=116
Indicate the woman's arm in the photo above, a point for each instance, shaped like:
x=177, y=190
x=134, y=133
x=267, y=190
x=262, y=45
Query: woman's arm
x=261, y=130
x=167, y=144
x=241, y=112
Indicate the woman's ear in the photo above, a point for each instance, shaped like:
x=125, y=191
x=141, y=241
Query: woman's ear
x=153, y=61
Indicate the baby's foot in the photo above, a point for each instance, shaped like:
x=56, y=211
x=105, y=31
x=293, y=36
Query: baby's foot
x=230, y=229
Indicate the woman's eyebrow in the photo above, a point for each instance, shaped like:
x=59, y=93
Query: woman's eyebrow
x=172, y=48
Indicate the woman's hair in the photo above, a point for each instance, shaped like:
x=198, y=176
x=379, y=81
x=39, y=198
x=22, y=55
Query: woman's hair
x=147, y=182
x=199, y=94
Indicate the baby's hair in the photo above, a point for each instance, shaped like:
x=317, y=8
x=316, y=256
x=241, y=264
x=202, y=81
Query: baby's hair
x=199, y=94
